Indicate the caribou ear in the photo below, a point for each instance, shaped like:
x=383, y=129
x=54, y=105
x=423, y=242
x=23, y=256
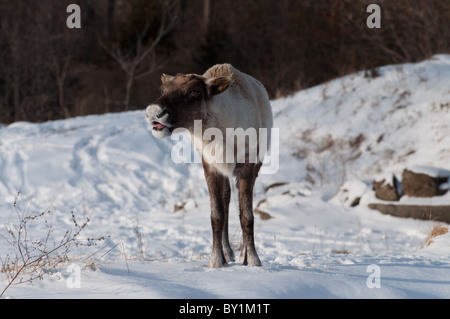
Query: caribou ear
x=166, y=78
x=218, y=85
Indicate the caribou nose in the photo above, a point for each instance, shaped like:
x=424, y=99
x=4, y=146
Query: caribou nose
x=162, y=113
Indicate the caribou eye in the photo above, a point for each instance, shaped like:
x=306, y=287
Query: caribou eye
x=193, y=93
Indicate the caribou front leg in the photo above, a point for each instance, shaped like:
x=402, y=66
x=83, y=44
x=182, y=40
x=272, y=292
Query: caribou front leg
x=215, y=187
x=226, y=194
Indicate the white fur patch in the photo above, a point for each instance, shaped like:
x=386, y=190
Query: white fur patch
x=151, y=115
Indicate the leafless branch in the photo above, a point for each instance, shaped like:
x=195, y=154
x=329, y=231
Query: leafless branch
x=131, y=60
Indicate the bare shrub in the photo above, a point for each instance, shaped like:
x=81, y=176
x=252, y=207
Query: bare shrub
x=328, y=158
x=33, y=258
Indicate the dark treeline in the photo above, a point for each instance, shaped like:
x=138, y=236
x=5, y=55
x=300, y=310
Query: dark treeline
x=114, y=62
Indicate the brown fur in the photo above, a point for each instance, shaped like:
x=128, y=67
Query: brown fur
x=183, y=97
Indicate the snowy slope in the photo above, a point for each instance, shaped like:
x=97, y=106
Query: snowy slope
x=109, y=168
x=360, y=126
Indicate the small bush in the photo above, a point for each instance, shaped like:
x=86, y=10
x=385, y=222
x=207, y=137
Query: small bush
x=31, y=259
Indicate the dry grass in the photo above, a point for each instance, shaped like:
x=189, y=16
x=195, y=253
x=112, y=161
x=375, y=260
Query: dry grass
x=262, y=214
x=436, y=231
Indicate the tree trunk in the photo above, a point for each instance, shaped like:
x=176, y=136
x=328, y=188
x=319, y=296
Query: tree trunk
x=206, y=15
x=16, y=95
x=110, y=18
x=130, y=80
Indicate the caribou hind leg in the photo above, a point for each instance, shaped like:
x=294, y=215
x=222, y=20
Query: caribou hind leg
x=246, y=175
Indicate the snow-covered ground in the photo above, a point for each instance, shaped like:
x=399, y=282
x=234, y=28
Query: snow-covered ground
x=334, y=139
